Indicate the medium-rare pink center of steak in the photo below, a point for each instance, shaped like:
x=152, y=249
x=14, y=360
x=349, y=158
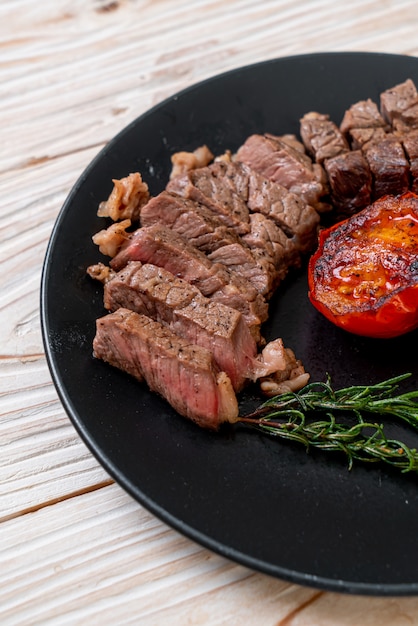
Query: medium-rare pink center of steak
x=183, y=373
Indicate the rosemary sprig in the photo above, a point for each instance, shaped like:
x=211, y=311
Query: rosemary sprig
x=287, y=416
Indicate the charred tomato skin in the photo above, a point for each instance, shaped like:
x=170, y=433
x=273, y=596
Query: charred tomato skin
x=363, y=276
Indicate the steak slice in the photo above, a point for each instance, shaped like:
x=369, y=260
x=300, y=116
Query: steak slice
x=399, y=106
x=200, y=186
x=190, y=219
x=321, y=137
x=269, y=240
x=206, y=231
x=297, y=219
x=160, y=242
x=165, y=248
x=183, y=373
x=153, y=291
x=350, y=181
x=254, y=265
x=388, y=165
x=283, y=164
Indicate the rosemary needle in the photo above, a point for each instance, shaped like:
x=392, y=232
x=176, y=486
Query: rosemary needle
x=286, y=416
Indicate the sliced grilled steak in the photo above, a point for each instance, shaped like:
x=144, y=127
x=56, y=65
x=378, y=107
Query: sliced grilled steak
x=165, y=248
x=321, y=137
x=350, y=182
x=294, y=216
x=254, y=265
x=281, y=163
x=157, y=240
x=153, y=291
x=206, y=232
x=267, y=238
x=183, y=373
x=190, y=219
x=273, y=253
x=254, y=312
x=388, y=165
x=399, y=106
x=201, y=186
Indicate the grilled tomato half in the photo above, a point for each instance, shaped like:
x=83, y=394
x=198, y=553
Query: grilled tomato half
x=364, y=275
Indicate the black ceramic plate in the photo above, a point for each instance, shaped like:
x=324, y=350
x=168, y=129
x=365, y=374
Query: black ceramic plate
x=268, y=505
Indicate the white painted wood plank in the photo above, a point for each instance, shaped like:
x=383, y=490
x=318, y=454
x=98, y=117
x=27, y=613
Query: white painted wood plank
x=42, y=459
x=113, y=556
x=103, y=559
x=26, y=222
x=141, y=60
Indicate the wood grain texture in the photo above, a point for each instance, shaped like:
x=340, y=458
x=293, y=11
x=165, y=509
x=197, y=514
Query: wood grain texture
x=74, y=548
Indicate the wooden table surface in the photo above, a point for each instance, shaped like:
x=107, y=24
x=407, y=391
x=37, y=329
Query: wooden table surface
x=74, y=547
